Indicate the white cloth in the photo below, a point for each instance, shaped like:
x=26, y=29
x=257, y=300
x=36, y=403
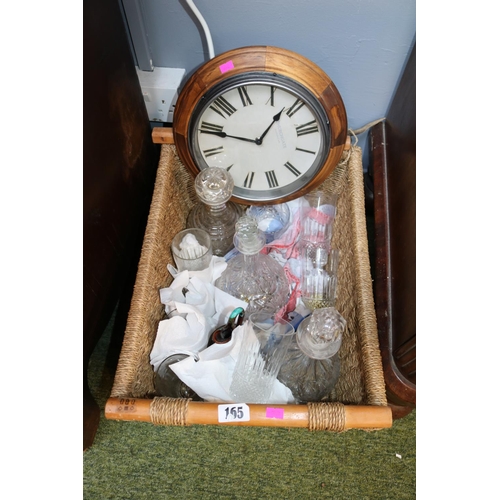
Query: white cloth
x=210, y=377
x=195, y=308
x=175, y=335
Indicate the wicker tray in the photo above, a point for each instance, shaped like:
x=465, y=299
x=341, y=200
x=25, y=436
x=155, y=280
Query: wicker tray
x=360, y=392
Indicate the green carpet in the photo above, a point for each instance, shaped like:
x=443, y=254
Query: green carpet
x=136, y=460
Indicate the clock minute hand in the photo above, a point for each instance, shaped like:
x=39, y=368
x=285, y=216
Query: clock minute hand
x=276, y=118
x=224, y=135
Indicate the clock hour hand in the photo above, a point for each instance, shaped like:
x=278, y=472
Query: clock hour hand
x=276, y=117
x=224, y=135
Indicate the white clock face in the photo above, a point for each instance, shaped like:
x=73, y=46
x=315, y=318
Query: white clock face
x=270, y=138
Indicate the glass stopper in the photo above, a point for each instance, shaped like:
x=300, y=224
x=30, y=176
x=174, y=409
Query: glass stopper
x=248, y=238
x=320, y=335
x=214, y=186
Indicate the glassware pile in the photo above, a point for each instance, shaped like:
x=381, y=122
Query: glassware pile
x=258, y=324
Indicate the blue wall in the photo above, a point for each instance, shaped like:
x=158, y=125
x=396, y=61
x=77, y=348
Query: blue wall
x=361, y=44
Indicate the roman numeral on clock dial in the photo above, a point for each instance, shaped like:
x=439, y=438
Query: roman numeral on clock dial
x=271, y=179
x=295, y=107
x=208, y=127
x=306, y=151
x=271, y=100
x=307, y=128
x=223, y=107
x=292, y=169
x=244, y=96
x=249, y=180
x=213, y=151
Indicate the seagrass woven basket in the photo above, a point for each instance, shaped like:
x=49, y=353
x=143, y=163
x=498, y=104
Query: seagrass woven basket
x=360, y=391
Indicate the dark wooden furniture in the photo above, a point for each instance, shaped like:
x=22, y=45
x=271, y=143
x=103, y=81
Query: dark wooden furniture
x=119, y=168
x=393, y=171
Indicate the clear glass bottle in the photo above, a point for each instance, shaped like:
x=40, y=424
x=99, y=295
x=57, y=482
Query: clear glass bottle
x=215, y=213
x=251, y=276
x=312, y=365
x=318, y=284
x=317, y=259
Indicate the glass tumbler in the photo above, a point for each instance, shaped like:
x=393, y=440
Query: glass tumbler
x=318, y=213
x=272, y=220
x=192, y=250
x=261, y=355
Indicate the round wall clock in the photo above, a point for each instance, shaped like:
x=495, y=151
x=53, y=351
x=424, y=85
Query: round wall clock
x=269, y=116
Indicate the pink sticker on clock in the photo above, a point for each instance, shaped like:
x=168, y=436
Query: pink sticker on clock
x=226, y=66
x=275, y=413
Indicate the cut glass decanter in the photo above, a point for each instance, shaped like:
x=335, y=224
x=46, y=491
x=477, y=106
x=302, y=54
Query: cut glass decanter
x=312, y=365
x=215, y=213
x=252, y=276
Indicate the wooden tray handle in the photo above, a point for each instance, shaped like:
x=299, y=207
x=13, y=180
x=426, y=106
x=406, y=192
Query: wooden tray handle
x=314, y=416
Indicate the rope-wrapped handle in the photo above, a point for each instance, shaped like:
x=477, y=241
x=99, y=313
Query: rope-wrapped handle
x=169, y=411
x=326, y=417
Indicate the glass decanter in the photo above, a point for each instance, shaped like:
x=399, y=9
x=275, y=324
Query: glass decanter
x=251, y=276
x=215, y=213
x=312, y=365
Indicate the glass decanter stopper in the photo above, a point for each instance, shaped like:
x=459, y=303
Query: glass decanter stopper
x=312, y=365
x=215, y=213
x=223, y=334
x=251, y=276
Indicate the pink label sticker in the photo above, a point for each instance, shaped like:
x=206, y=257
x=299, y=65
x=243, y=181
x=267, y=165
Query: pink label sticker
x=226, y=66
x=275, y=413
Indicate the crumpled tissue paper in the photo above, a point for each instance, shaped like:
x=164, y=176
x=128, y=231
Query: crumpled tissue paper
x=195, y=307
x=210, y=377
